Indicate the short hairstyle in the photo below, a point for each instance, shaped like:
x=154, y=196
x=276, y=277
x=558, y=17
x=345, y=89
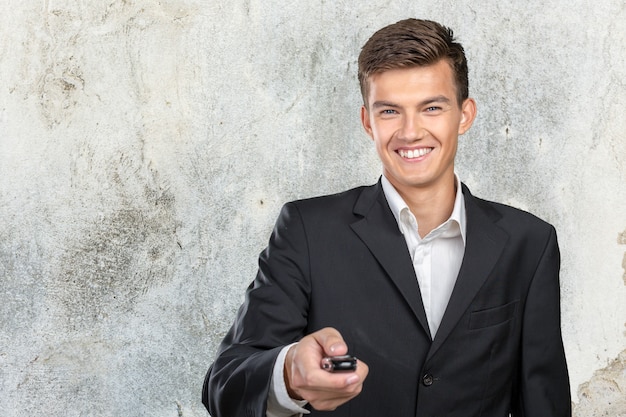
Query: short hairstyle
x=413, y=43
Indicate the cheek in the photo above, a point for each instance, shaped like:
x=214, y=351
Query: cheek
x=384, y=130
x=382, y=147
x=446, y=130
x=382, y=138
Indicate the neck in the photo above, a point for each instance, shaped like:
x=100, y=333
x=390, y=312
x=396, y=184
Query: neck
x=432, y=206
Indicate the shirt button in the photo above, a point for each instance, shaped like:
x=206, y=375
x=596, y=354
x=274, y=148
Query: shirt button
x=427, y=380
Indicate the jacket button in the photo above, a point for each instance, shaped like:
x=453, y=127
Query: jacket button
x=427, y=380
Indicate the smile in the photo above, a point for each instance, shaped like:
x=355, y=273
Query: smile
x=414, y=153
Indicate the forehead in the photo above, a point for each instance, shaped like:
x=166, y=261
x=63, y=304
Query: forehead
x=434, y=79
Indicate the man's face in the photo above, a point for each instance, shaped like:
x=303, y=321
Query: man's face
x=415, y=120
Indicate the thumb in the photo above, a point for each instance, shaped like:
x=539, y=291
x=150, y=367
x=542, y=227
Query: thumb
x=331, y=341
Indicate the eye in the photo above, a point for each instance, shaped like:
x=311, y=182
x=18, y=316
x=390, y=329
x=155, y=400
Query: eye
x=433, y=108
x=390, y=113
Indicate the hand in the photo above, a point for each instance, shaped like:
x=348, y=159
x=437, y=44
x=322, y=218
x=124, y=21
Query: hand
x=306, y=380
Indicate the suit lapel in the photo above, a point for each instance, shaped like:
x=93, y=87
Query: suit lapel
x=378, y=229
x=485, y=242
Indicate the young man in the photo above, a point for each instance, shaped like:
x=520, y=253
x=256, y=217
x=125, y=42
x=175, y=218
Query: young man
x=451, y=303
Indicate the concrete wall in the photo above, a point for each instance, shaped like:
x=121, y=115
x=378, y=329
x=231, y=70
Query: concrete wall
x=147, y=146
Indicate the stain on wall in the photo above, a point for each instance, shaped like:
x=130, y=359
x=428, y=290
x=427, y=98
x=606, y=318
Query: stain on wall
x=118, y=256
x=604, y=395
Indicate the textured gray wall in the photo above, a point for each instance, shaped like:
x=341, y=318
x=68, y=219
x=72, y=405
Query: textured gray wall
x=147, y=146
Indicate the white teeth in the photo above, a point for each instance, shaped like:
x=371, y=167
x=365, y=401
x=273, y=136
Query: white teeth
x=414, y=153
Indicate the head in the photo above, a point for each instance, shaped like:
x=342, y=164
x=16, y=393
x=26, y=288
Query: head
x=413, y=43
x=414, y=84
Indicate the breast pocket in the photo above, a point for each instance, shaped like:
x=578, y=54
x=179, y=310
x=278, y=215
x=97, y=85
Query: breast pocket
x=492, y=316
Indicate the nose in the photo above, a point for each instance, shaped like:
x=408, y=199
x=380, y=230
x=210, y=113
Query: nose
x=411, y=129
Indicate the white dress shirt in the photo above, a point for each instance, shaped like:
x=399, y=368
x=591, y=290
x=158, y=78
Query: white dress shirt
x=436, y=259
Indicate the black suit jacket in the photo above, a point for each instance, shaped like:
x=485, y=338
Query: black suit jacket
x=341, y=261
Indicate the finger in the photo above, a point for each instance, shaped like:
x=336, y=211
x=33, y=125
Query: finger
x=340, y=384
x=331, y=341
x=362, y=370
x=314, y=382
x=328, y=399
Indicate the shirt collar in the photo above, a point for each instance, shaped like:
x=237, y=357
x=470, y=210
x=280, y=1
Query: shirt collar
x=398, y=205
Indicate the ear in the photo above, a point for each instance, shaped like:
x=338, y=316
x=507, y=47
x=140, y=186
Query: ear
x=365, y=121
x=468, y=114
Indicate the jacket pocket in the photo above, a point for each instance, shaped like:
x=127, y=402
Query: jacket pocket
x=492, y=316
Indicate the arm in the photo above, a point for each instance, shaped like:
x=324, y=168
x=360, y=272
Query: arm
x=543, y=378
x=273, y=315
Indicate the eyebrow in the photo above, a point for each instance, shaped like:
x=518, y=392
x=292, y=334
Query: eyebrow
x=425, y=102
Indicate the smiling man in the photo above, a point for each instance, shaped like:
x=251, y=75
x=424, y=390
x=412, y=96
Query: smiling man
x=450, y=302
x=414, y=117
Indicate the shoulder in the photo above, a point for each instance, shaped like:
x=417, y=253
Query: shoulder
x=513, y=220
x=328, y=212
x=344, y=201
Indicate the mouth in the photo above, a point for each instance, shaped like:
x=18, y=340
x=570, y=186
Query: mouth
x=414, y=153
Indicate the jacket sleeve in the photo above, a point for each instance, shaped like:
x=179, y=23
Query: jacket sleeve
x=273, y=315
x=543, y=378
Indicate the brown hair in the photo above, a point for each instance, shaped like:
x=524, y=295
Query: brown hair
x=412, y=43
